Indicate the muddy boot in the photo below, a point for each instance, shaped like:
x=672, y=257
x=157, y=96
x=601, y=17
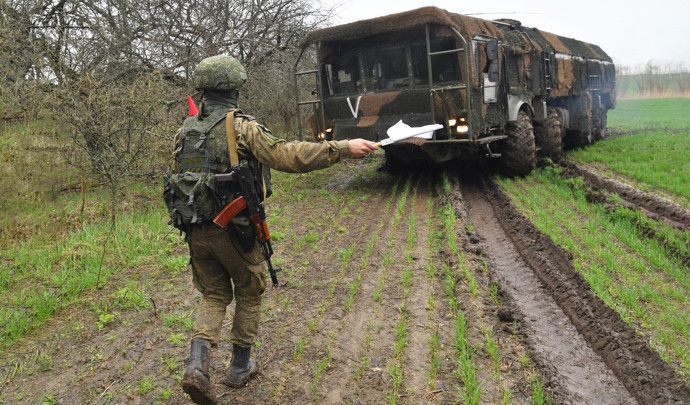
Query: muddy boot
x=196, y=381
x=242, y=368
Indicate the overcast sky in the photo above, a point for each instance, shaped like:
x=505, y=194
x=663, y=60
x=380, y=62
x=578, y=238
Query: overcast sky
x=629, y=33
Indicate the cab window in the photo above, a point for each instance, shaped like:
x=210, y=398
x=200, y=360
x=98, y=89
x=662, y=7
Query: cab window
x=386, y=69
x=343, y=76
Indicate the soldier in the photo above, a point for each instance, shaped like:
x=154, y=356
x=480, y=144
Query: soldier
x=228, y=263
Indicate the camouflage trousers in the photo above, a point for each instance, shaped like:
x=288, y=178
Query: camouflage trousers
x=222, y=270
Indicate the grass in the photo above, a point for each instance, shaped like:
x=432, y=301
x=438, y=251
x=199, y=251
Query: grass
x=364, y=353
x=40, y=278
x=466, y=368
x=493, y=349
x=345, y=257
x=539, y=394
x=651, y=114
x=639, y=157
x=656, y=156
x=318, y=370
x=449, y=220
x=402, y=334
x=434, y=360
x=146, y=385
x=397, y=363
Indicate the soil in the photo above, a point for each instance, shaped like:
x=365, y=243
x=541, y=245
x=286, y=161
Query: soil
x=330, y=330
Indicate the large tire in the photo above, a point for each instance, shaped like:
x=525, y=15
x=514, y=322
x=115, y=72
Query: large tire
x=549, y=136
x=576, y=138
x=519, y=150
x=599, y=123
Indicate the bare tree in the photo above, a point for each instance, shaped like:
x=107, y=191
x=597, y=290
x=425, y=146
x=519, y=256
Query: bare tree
x=105, y=61
x=118, y=127
x=116, y=40
x=682, y=78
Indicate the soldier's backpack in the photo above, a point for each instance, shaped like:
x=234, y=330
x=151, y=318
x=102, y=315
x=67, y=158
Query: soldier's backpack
x=191, y=195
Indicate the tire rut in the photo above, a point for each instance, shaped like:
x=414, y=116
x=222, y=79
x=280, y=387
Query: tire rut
x=589, y=353
x=575, y=372
x=652, y=205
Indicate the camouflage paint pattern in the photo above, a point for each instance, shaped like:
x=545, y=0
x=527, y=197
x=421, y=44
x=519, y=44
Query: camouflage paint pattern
x=576, y=71
x=371, y=107
x=219, y=72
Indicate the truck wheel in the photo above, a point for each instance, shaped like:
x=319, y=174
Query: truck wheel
x=549, y=137
x=519, y=151
x=576, y=138
x=599, y=123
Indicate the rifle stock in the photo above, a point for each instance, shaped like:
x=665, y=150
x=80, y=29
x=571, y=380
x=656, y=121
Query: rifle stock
x=230, y=211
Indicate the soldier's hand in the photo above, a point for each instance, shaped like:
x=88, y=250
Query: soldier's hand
x=361, y=147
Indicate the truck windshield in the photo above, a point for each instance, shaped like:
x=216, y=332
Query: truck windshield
x=343, y=75
x=391, y=67
x=444, y=68
x=386, y=69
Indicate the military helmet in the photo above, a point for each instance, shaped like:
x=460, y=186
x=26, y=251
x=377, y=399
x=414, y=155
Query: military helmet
x=219, y=72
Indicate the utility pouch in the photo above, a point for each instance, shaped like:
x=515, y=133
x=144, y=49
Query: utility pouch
x=244, y=234
x=191, y=198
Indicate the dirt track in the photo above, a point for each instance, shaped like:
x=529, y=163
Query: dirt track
x=371, y=280
x=591, y=355
x=579, y=374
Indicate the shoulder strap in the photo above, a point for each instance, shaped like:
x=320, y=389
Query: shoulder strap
x=232, y=140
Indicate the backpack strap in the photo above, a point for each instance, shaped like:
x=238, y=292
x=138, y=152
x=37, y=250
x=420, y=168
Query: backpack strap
x=232, y=140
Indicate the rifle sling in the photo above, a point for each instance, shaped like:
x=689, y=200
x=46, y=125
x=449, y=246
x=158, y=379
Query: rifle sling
x=232, y=140
x=232, y=145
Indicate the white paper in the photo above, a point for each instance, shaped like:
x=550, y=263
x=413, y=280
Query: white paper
x=401, y=131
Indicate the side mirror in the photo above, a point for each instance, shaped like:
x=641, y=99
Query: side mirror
x=493, y=72
x=492, y=49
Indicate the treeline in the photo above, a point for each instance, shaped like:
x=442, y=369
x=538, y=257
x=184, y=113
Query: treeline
x=116, y=73
x=652, y=80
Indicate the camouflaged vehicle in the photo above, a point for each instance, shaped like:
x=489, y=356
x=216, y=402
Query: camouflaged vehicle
x=501, y=90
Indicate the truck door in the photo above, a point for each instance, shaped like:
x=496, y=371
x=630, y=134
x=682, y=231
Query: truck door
x=487, y=65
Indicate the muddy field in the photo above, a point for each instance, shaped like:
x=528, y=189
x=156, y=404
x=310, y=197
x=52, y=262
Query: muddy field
x=427, y=287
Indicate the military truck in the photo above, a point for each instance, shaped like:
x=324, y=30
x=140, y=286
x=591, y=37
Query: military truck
x=500, y=90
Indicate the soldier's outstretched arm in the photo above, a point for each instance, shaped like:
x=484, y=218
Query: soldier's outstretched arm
x=297, y=157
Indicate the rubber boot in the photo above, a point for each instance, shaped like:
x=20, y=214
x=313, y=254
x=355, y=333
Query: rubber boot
x=196, y=381
x=242, y=367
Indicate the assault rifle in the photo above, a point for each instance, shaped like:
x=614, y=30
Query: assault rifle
x=249, y=200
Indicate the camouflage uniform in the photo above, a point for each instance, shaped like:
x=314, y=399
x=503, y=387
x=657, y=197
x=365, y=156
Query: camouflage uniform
x=225, y=264
x=216, y=255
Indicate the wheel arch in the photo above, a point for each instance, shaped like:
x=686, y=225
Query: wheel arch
x=517, y=103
